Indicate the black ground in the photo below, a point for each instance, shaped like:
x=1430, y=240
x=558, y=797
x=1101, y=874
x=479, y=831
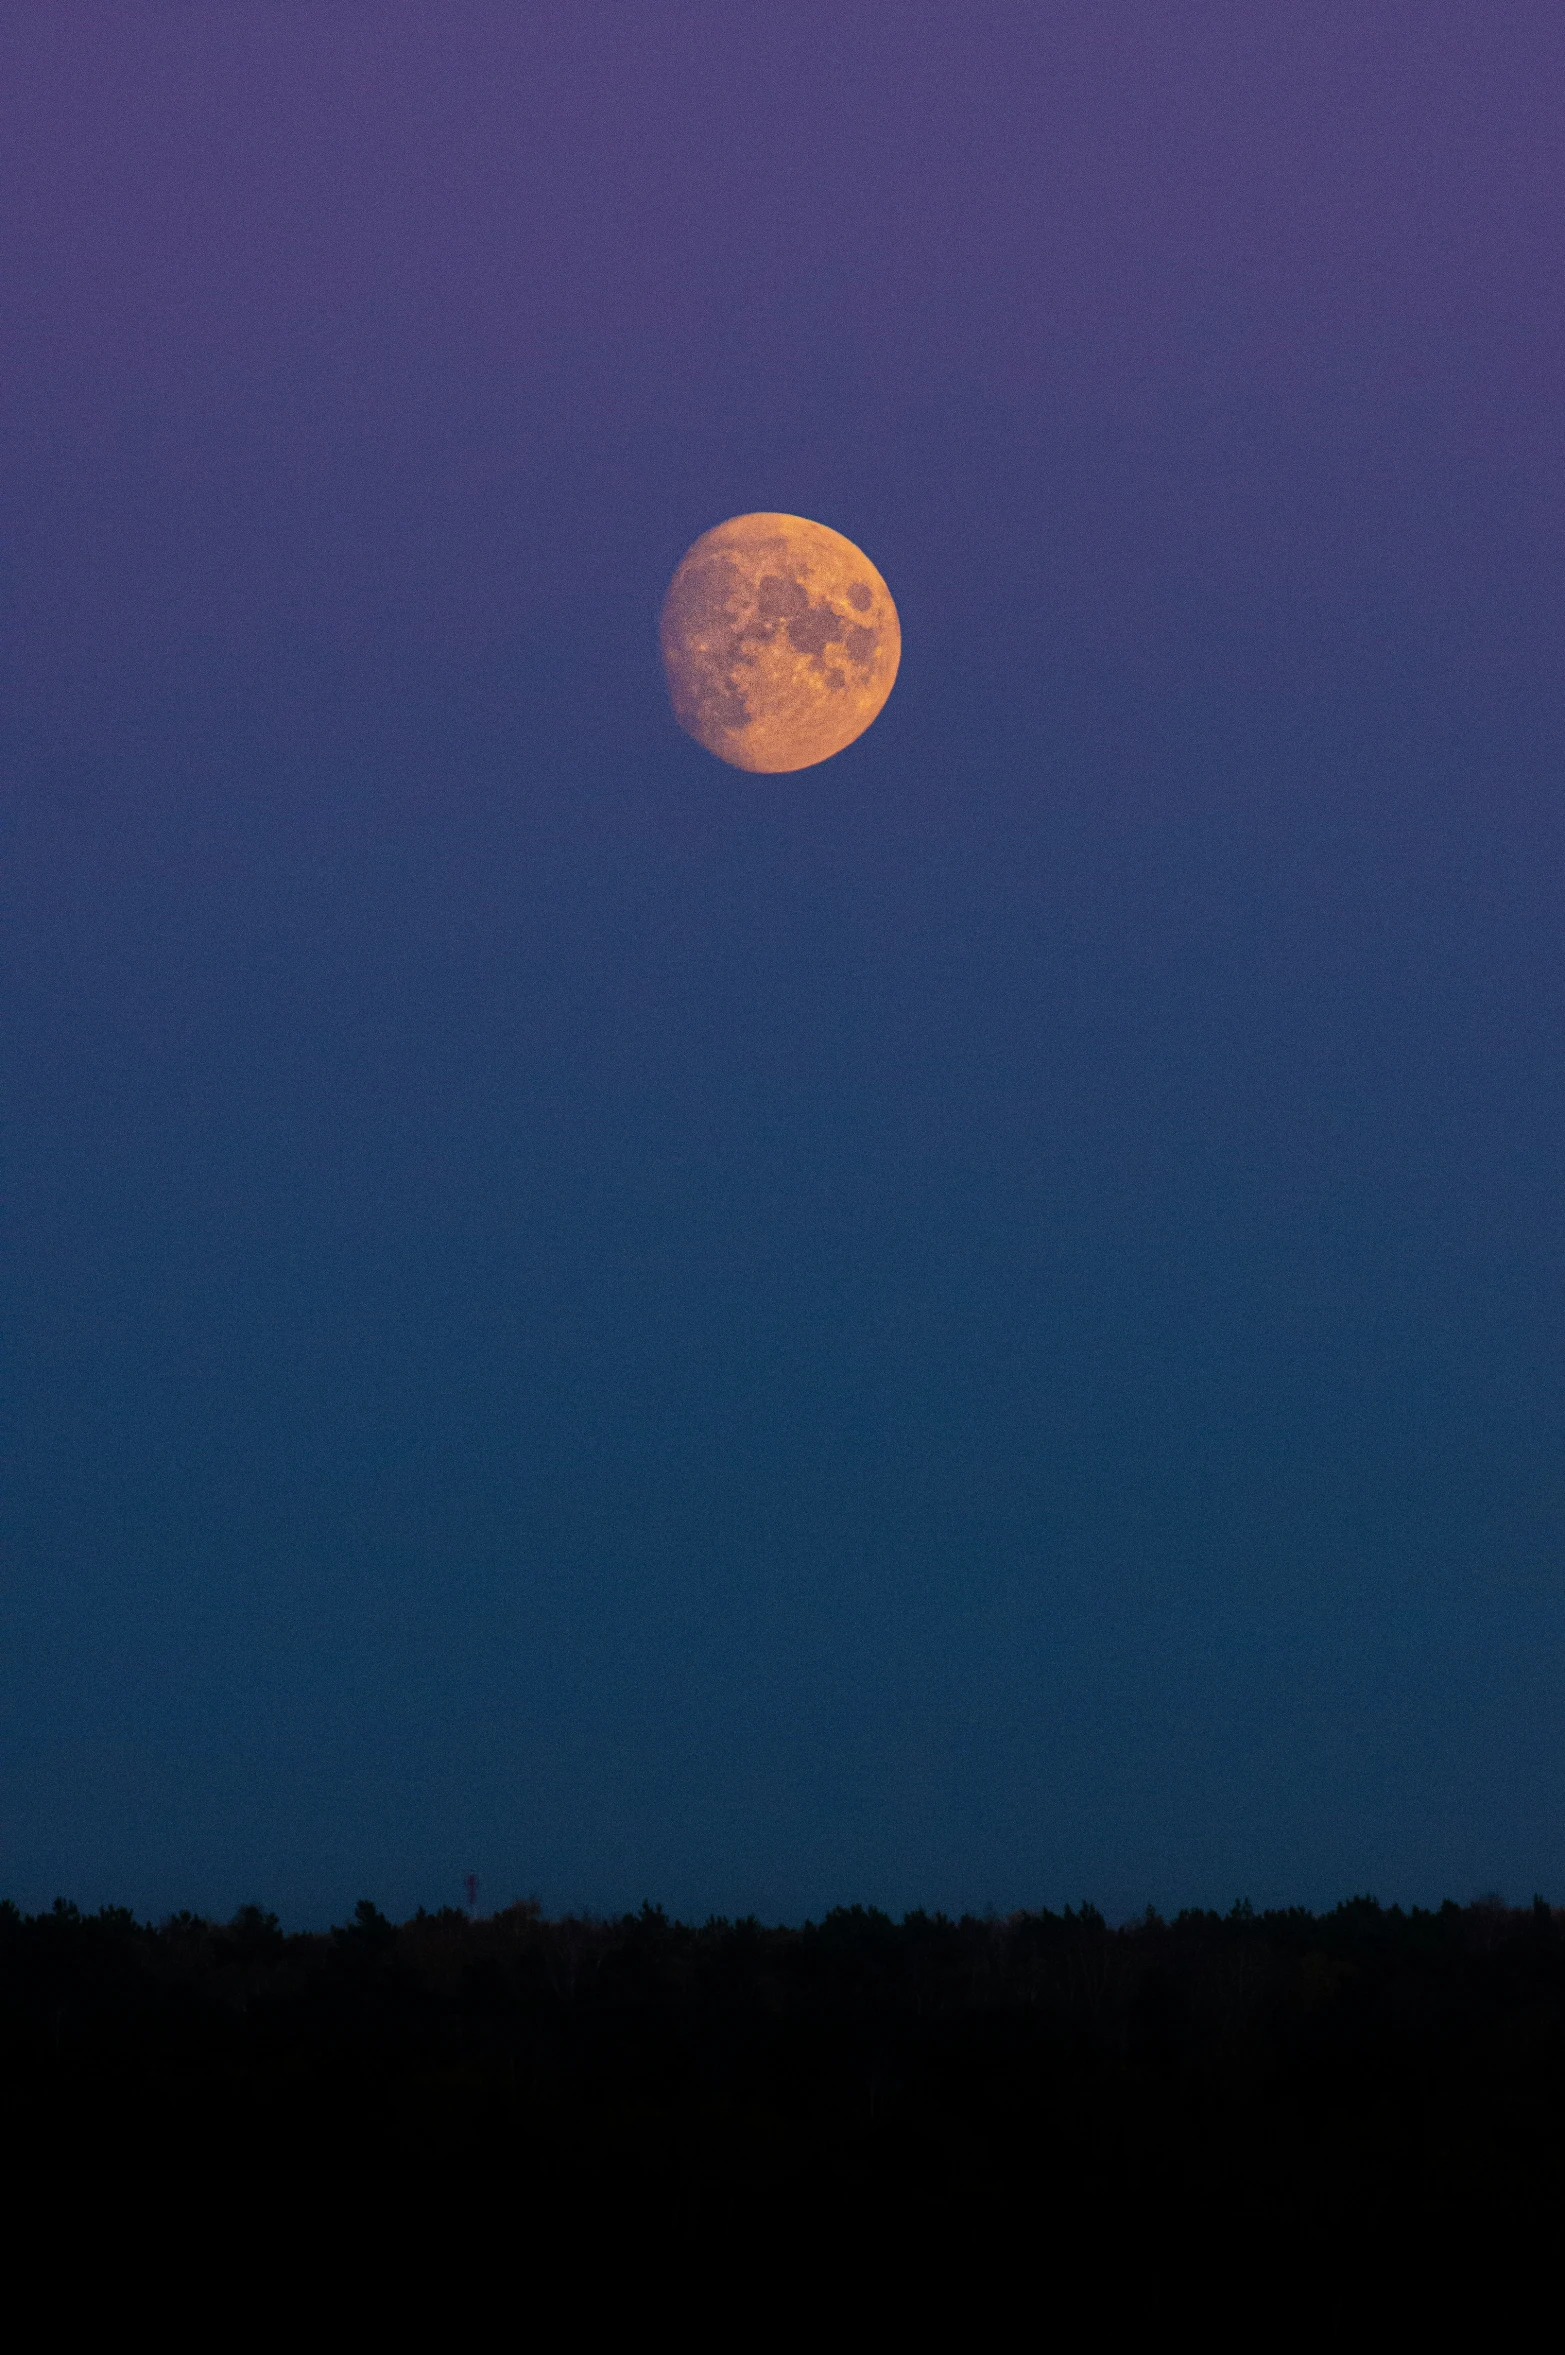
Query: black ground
x=1286, y=2077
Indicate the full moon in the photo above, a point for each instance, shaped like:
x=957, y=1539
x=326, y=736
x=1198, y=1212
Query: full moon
x=780, y=642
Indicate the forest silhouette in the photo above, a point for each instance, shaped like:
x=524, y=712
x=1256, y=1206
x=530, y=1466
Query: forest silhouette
x=1292, y=2072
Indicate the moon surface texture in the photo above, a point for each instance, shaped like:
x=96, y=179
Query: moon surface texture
x=780, y=642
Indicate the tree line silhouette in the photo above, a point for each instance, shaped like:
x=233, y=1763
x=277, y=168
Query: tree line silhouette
x=1289, y=2070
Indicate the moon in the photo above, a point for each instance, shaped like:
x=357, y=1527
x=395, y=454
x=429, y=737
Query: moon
x=780, y=642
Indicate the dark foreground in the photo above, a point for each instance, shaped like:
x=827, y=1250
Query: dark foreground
x=1284, y=2075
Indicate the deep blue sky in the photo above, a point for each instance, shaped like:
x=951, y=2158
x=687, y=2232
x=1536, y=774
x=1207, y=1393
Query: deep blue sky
x=978, y=1324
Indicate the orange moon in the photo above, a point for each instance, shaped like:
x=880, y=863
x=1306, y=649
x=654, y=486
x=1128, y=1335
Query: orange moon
x=780, y=642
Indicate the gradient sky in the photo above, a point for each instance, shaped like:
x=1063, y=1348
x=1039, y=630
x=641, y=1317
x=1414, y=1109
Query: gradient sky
x=981, y=1324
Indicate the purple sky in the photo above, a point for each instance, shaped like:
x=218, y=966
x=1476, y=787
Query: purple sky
x=979, y=1324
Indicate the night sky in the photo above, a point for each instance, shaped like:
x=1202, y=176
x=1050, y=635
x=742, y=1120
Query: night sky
x=976, y=1325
